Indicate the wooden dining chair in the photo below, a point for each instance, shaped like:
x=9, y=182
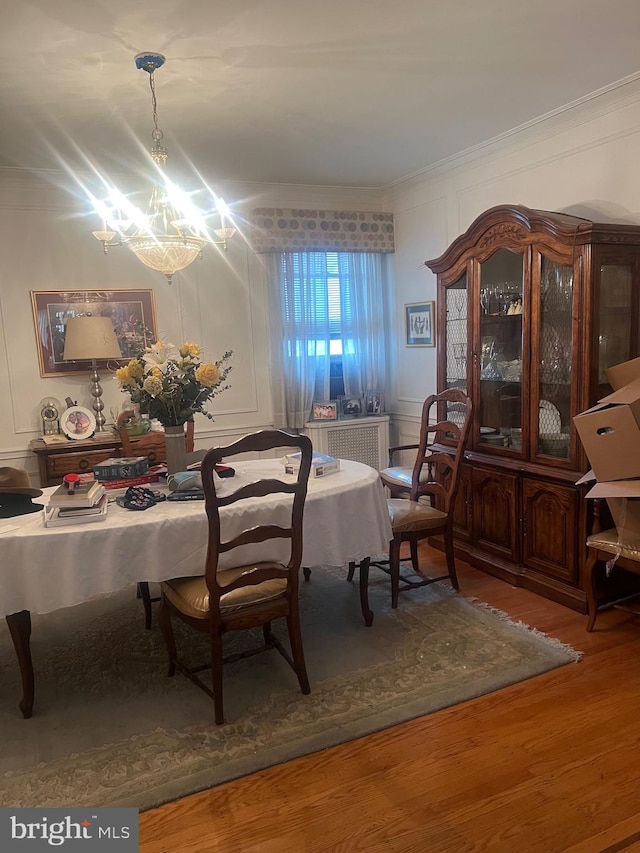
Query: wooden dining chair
x=152, y=445
x=427, y=510
x=613, y=563
x=236, y=592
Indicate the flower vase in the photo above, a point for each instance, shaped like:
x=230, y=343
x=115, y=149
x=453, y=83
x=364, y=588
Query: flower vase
x=176, y=449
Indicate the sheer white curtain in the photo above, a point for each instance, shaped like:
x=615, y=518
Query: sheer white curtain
x=364, y=340
x=303, y=323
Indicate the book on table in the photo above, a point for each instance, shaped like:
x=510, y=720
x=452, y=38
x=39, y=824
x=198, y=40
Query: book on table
x=83, y=495
x=55, y=516
x=321, y=464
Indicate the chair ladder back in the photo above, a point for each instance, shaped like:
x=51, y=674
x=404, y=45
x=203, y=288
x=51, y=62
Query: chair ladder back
x=263, y=441
x=442, y=467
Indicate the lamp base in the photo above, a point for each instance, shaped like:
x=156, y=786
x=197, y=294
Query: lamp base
x=96, y=393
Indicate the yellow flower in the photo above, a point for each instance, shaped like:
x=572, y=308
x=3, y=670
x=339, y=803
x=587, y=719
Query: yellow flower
x=190, y=350
x=155, y=371
x=124, y=377
x=208, y=374
x=135, y=369
x=152, y=385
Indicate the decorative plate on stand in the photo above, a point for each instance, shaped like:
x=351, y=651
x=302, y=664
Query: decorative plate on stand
x=77, y=422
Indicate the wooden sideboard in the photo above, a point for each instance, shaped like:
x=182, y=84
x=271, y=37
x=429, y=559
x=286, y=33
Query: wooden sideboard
x=56, y=460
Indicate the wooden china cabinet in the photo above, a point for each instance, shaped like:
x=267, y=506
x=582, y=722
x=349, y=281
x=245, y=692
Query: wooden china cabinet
x=532, y=307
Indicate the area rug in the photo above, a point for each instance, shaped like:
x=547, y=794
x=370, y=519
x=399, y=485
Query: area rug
x=111, y=729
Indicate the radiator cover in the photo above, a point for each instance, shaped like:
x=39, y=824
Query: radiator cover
x=363, y=440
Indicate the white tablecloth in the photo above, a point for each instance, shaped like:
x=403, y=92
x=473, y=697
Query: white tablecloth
x=44, y=569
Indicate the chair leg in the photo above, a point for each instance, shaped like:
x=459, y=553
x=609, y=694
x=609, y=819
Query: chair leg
x=413, y=550
x=166, y=629
x=394, y=570
x=351, y=572
x=297, y=652
x=367, y=612
x=590, y=588
x=451, y=559
x=306, y=571
x=145, y=594
x=216, y=678
x=267, y=634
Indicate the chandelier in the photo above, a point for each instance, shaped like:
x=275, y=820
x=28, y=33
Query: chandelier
x=173, y=232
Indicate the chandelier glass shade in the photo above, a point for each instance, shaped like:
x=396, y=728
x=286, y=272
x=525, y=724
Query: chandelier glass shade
x=173, y=232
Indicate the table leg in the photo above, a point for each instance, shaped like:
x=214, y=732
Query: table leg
x=363, y=571
x=20, y=630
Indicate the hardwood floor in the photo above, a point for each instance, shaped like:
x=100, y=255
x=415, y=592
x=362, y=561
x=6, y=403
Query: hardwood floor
x=550, y=765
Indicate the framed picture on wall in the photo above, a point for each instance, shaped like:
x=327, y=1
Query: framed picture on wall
x=132, y=312
x=419, y=320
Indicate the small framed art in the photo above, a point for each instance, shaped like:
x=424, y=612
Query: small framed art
x=324, y=410
x=373, y=403
x=350, y=406
x=419, y=319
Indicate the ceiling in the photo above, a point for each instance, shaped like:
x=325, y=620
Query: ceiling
x=335, y=92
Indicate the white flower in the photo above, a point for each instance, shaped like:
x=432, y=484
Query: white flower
x=160, y=355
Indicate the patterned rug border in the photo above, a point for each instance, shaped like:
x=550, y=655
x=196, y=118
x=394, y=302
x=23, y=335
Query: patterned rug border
x=152, y=767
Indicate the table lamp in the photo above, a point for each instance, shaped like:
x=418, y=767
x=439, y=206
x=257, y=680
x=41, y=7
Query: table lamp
x=89, y=338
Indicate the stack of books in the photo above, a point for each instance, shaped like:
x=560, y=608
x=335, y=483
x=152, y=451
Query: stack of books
x=121, y=468
x=87, y=502
x=117, y=475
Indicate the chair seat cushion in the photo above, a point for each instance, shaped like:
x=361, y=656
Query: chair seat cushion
x=191, y=595
x=609, y=541
x=400, y=476
x=408, y=516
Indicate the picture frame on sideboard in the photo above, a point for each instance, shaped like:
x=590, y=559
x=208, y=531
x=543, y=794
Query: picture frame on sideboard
x=373, y=402
x=324, y=410
x=351, y=406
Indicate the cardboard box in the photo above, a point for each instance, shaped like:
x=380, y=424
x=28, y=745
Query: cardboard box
x=623, y=499
x=610, y=434
x=622, y=374
x=121, y=469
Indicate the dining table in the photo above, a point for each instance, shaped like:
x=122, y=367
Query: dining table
x=43, y=569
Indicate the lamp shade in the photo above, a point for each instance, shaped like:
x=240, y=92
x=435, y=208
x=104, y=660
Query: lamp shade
x=88, y=337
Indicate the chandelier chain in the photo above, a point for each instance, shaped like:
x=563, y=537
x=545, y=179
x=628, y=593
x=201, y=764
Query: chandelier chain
x=157, y=134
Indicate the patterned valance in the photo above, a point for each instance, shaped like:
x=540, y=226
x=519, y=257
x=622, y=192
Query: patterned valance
x=276, y=229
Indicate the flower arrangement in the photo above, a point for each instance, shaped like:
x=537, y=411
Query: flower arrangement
x=171, y=383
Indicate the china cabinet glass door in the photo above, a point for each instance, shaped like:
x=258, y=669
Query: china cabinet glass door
x=500, y=356
x=555, y=359
x=456, y=344
x=615, y=330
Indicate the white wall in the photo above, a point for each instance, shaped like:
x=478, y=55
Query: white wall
x=46, y=244
x=582, y=160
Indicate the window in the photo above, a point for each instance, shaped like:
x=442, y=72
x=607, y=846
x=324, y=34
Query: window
x=332, y=318
x=328, y=275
